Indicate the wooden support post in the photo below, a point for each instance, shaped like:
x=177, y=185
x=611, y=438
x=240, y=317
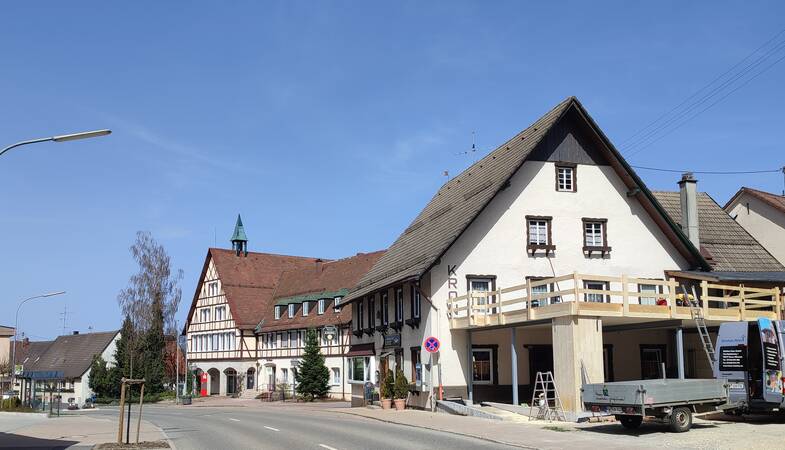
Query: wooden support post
x=575, y=288
x=139, y=419
x=122, y=414
x=499, y=311
x=704, y=297
x=672, y=292
x=742, y=307
x=528, y=299
x=625, y=296
x=470, y=307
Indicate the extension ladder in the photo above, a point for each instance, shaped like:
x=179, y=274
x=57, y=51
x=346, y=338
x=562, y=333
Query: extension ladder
x=697, y=315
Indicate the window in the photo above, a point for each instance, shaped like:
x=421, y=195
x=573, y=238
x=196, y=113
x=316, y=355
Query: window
x=215, y=342
x=595, y=236
x=336, y=305
x=284, y=375
x=293, y=339
x=336, y=372
x=648, y=288
x=284, y=337
x=542, y=289
x=482, y=366
x=359, y=368
x=220, y=313
x=479, y=284
x=538, y=233
x=277, y=312
x=415, y=302
x=212, y=289
x=416, y=355
x=273, y=341
x=320, y=306
x=204, y=315
x=399, y=305
x=371, y=312
x=565, y=177
x=385, y=309
x=291, y=310
x=595, y=297
x=305, y=308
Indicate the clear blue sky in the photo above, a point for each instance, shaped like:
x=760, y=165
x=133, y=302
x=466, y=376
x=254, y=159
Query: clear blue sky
x=326, y=124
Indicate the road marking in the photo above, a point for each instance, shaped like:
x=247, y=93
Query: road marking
x=232, y=418
x=327, y=447
x=271, y=428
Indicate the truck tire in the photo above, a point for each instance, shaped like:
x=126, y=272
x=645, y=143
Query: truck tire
x=631, y=422
x=680, y=419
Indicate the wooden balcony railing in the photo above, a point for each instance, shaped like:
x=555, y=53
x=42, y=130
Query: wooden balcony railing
x=601, y=295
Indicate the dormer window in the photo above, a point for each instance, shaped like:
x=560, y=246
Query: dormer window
x=291, y=310
x=305, y=308
x=565, y=177
x=320, y=306
x=336, y=305
x=277, y=312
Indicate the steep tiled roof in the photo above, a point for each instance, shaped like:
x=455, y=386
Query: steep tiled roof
x=321, y=280
x=72, y=354
x=28, y=352
x=250, y=281
x=729, y=246
x=461, y=199
x=775, y=201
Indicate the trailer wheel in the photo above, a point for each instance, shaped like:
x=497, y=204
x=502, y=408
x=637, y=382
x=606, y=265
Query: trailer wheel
x=680, y=419
x=631, y=422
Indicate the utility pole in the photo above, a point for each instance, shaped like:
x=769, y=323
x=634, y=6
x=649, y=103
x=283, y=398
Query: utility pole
x=176, y=365
x=783, y=181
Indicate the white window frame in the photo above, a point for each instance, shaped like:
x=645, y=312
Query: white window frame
x=337, y=304
x=594, y=233
x=595, y=298
x=366, y=368
x=538, y=231
x=305, y=309
x=416, y=302
x=290, y=308
x=212, y=288
x=648, y=288
x=490, y=365
x=335, y=376
x=565, y=178
x=277, y=312
x=399, y=305
x=320, y=306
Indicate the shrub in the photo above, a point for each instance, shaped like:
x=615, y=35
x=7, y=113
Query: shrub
x=401, y=385
x=387, y=389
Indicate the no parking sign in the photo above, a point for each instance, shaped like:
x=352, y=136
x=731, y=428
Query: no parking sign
x=431, y=344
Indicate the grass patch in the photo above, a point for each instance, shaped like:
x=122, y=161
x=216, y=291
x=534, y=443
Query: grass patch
x=556, y=428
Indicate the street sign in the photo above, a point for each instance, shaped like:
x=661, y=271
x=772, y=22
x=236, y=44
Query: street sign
x=431, y=344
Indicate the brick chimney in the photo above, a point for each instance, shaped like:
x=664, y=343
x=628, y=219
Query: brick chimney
x=688, y=196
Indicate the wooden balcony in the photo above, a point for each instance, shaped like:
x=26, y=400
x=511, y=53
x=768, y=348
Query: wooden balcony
x=638, y=299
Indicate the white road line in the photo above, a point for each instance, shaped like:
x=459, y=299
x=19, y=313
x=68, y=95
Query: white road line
x=232, y=418
x=271, y=428
x=327, y=447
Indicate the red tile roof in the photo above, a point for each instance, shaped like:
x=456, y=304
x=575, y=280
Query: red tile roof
x=775, y=201
x=249, y=281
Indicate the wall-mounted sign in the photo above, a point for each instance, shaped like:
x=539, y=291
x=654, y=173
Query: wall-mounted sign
x=392, y=340
x=330, y=332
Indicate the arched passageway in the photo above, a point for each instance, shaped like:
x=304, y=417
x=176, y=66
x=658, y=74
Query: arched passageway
x=215, y=381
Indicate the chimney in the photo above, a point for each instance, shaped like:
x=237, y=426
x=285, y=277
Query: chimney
x=76, y=333
x=688, y=195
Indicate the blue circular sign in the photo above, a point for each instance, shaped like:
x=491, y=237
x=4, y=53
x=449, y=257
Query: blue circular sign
x=431, y=344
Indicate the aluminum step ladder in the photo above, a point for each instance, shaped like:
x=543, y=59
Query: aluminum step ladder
x=697, y=315
x=545, y=399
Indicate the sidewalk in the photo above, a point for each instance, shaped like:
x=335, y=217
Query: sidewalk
x=31, y=431
x=713, y=432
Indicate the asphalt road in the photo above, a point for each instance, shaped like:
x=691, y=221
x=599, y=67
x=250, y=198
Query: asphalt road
x=292, y=428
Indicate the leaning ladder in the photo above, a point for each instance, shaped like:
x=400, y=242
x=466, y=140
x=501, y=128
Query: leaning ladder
x=545, y=399
x=697, y=315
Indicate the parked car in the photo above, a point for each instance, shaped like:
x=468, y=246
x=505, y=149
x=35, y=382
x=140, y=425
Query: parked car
x=88, y=404
x=72, y=404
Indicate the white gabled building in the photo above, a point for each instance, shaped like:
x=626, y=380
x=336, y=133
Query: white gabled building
x=762, y=214
x=549, y=253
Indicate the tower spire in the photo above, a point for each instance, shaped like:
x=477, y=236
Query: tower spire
x=239, y=239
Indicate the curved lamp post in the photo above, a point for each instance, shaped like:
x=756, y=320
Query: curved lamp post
x=60, y=138
x=16, y=326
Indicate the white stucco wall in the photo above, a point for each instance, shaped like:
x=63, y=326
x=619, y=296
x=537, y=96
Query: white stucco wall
x=764, y=223
x=495, y=243
x=82, y=389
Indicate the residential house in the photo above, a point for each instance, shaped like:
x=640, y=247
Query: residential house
x=762, y=214
x=548, y=254
x=246, y=325
x=6, y=333
x=64, y=364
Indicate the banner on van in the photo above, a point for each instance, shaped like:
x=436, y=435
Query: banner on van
x=772, y=374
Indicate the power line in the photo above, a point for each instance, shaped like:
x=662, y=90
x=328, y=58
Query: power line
x=711, y=172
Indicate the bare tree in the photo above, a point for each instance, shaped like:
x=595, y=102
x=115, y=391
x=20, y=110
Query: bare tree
x=153, y=284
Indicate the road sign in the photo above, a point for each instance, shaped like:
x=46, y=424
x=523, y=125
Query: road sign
x=431, y=344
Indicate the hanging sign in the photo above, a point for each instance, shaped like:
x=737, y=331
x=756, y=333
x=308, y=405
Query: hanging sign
x=431, y=344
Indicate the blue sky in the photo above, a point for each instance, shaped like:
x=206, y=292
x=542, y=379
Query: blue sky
x=326, y=124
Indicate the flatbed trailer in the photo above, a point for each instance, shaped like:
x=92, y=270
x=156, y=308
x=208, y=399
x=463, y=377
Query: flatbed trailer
x=672, y=400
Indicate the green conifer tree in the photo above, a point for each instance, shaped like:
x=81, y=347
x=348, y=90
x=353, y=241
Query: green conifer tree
x=313, y=377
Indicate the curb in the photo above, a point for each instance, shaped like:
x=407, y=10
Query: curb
x=26, y=414
x=482, y=438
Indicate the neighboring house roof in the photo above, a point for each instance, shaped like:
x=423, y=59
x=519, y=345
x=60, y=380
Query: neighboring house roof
x=72, y=354
x=775, y=201
x=29, y=352
x=726, y=244
x=321, y=280
x=459, y=201
x=248, y=281
x=6, y=331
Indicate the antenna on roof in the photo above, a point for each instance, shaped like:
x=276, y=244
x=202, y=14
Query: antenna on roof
x=64, y=318
x=783, y=181
x=472, y=150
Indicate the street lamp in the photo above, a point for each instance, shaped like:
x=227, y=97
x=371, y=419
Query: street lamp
x=60, y=138
x=16, y=327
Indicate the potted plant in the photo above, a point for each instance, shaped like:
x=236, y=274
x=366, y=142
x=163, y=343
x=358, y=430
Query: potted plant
x=401, y=390
x=387, y=390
